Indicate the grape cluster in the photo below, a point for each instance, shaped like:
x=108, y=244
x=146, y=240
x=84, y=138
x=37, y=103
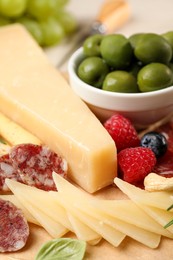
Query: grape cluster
x=47, y=20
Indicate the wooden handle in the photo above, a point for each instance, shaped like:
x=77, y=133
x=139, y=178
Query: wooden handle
x=113, y=14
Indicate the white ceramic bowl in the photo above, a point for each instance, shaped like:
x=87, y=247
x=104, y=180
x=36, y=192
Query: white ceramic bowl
x=142, y=109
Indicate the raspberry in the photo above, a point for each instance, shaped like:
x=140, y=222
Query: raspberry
x=135, y=163
x=122, y=132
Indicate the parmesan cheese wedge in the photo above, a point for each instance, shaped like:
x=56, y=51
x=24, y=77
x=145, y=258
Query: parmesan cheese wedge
x=15, y=134
x=36, y=96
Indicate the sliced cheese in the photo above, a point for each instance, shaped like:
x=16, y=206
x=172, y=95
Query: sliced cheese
x=35, y=95
x=82, y=231
x=160, y=199
x=112, y=235
x=161, y=216
x=41, y=201
x=150, y=202
x=145, y=237
x=64, y=186
x=124, y=210
x=15, y=134
x=16, y=202
x=86, y=204
x=128, y=211
x=53, y=227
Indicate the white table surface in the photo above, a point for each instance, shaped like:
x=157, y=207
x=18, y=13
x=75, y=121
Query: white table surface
x=146, y=16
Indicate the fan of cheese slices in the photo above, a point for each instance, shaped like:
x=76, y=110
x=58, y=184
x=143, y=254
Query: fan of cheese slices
x=71, y=209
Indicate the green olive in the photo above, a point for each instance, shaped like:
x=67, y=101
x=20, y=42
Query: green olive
x=120, y=81
x=91, y=45
x=92, y=71
x=169, y=37
x=116, y=50
x=134, y=68
x=170, y=65
x=135, y=38
x=153, y=48
x=154, y=76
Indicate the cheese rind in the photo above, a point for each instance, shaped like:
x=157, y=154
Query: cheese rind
x=35, y=95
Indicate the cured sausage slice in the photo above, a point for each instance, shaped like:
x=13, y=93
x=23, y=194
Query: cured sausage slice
x=35, y=165
x=14, y=229
x=7, y=170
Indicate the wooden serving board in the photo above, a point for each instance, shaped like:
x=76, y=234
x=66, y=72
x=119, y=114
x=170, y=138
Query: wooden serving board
x=128, y=250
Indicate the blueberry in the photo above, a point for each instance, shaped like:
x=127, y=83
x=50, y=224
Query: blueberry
x=156, y=142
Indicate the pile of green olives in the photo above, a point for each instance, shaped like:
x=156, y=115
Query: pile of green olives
x=141, y=63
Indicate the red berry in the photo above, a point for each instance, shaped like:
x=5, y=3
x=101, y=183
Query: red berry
x=135, y=163
x=122, y=132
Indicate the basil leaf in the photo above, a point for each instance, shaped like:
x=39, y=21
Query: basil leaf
x=62, y=249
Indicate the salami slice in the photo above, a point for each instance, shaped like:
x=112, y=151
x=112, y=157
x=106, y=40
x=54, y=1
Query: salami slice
x=7, y=170
x=14, y=229
x=35, y=165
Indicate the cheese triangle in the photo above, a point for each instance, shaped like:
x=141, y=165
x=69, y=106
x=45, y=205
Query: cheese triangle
x=36, y=96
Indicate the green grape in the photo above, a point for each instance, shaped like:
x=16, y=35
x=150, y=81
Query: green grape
x=4, y=21
x=33, y=27
x=61, y=3
x=41, y=9
x=67, y=20
x=53, y=32
x=12, y=8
